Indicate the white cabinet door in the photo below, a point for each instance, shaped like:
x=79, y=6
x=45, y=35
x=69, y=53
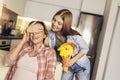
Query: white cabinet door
x=15, y=5
x=94, y=6
x=44, y=11
x=14, y=43
x=74, y=4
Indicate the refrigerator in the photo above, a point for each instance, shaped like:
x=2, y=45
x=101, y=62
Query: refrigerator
x=89, y=26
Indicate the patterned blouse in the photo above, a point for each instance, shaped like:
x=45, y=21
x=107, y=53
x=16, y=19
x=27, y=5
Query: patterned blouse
x=46, y=58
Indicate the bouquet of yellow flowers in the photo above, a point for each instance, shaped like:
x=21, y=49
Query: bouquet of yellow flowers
x=66, y=51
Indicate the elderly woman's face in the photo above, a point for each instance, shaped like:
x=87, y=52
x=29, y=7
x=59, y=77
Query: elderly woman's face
x=36, y=33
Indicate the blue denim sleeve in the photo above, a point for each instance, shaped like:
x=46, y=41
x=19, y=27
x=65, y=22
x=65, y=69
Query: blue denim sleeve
x=82, y=45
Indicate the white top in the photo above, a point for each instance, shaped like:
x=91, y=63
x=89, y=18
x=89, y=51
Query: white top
x=27, y=68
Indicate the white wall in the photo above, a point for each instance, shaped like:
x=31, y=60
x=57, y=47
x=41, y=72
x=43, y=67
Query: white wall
x=106, y=67
x=112, y=69
x=15, y=5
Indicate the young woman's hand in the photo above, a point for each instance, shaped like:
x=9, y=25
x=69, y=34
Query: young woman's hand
x=70, y=63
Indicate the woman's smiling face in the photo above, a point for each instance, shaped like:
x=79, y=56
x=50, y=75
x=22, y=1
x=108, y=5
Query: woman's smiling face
x=57, y=23
x=36, y=33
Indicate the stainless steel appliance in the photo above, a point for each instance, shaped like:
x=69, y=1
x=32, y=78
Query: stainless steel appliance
x=5, y=44
x=90, y=26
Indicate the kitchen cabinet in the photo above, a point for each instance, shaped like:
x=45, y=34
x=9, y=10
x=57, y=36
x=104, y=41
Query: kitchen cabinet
x=62, y=3
x=45, y=11
x=6, y=17
x=94, y=6
x=8, y=42
x=5, y=44
x=14, y=43
x=15, y=5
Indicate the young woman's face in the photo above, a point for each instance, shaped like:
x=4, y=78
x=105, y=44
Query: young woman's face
x=36, y=33
x=57, y=23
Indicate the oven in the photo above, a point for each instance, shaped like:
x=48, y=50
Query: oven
x=5, y=44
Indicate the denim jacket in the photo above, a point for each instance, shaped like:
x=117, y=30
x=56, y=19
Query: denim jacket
x=81, y=46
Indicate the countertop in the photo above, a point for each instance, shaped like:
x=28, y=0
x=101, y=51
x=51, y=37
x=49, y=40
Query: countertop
x=2, y=54
x=10, y=37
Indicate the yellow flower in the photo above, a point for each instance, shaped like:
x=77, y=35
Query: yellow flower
x=66, y=51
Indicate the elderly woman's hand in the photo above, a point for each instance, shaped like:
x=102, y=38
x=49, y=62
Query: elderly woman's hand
x=25, y=36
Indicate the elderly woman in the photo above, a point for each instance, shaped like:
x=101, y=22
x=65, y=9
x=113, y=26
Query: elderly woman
x=31, y=59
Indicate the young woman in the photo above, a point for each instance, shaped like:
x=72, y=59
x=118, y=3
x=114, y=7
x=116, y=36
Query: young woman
x=62, y=32
x=31, y=59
